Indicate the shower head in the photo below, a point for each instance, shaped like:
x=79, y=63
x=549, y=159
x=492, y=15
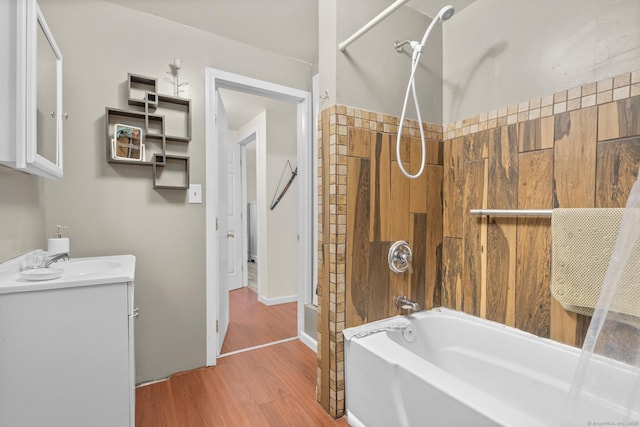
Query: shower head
x=446, y=13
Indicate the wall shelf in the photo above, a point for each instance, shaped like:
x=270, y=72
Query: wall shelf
x=160, y=120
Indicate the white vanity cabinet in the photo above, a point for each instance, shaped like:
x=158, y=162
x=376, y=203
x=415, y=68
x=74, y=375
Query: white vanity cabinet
x=67, y=351
x=31, y=83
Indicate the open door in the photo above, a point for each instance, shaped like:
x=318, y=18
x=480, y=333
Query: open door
x=221, y=224
x=234, y=217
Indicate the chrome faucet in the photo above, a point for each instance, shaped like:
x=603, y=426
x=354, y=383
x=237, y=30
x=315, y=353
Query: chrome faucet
x=64, y=256
x=404, y=303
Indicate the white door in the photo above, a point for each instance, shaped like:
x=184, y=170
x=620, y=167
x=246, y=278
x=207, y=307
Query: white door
x=221, y=224
x=234, y=217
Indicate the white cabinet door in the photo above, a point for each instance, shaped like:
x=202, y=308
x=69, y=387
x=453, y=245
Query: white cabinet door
x=32, y=65
x=65, y=357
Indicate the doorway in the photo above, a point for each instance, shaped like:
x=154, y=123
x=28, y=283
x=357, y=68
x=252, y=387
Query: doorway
x=262, y=310
x=216, y=192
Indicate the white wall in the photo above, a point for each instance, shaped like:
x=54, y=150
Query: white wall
x=501, y=52
x=112, y=209
x=251, y=172
x=276, y=142
x=282, y=222
x=370, y=74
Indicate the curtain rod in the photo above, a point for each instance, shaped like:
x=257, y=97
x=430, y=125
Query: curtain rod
x=342, y=46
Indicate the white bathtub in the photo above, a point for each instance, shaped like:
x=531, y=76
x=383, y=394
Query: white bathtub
x=453, y=369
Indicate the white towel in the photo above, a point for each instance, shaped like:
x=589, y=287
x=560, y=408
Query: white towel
x=583, y=240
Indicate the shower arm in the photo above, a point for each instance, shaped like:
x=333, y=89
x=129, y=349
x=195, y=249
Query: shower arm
x=398, y=45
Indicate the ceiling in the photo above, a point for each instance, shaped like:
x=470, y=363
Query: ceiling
x=285, y=27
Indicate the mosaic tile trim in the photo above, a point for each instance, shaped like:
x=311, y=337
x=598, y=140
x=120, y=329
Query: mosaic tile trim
x=607, y=90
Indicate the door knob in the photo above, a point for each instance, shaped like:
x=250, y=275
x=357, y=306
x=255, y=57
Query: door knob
x=231, y=235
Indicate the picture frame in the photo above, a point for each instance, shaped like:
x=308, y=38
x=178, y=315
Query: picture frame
x=126, y=143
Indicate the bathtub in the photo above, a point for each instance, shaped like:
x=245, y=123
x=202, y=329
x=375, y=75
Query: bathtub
x=446, y=368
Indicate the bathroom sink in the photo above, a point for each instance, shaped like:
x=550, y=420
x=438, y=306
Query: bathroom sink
x=85, y=267
x=72, y=273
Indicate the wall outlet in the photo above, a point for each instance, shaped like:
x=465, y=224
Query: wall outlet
x=195, y=193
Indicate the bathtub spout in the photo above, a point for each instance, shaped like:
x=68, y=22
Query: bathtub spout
x=404, y=303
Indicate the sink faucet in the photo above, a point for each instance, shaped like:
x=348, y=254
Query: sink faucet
x=64, y=256
x=404, y=303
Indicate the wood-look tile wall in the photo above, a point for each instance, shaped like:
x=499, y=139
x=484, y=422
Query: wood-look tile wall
x=575, y=148
x=366, y=204
x=499, y=267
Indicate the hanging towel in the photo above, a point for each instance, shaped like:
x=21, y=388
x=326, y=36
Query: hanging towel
x=583, y=240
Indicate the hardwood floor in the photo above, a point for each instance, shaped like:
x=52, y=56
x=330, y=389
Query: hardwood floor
x=252, y=323
x=270, y=386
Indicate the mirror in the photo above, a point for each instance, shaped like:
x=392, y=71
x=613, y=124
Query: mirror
x=47, y=110
x=39, y=146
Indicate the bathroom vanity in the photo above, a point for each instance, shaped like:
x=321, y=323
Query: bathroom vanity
x=66, y=344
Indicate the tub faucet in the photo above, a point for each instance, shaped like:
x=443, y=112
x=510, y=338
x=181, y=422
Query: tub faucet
x=404, y=303
x=64, y=256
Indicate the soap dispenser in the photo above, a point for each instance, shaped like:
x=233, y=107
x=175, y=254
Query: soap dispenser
x=58, y=244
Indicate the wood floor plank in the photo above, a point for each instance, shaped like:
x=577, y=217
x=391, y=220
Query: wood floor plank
x=271, y=386
x=154, y=405
x=253, y=323
x=286, y=412
x=195, y=405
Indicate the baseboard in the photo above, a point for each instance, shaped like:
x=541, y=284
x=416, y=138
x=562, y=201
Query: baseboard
x=308, y=341
x=279, y=300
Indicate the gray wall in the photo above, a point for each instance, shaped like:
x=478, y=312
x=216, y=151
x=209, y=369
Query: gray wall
x=370, y=74
x=112, y=209
x=21, y=213
x=501, y=52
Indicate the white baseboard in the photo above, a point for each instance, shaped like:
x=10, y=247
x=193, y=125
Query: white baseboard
x=279, y=300
x=308, y=341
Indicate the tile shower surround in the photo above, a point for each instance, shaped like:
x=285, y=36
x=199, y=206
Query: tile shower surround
x=335, y=128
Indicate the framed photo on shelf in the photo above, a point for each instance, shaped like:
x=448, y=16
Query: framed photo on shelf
x=127, y=143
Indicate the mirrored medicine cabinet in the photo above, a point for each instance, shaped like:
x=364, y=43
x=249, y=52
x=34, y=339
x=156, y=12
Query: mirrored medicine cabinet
x=36, y=145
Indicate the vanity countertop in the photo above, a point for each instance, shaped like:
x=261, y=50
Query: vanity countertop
x=73, y=273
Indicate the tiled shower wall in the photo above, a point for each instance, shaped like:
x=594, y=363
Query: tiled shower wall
x=366, y=204
x=575, y=148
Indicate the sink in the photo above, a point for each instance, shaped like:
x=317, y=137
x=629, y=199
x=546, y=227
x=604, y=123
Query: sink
x=72, y=273
x=85, y=267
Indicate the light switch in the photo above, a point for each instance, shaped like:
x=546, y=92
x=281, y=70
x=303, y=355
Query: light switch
x=195, y=193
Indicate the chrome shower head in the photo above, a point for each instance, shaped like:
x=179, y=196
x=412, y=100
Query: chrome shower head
x=446, y=13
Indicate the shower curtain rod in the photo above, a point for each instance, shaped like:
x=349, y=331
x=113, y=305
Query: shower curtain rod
x=388, y=11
